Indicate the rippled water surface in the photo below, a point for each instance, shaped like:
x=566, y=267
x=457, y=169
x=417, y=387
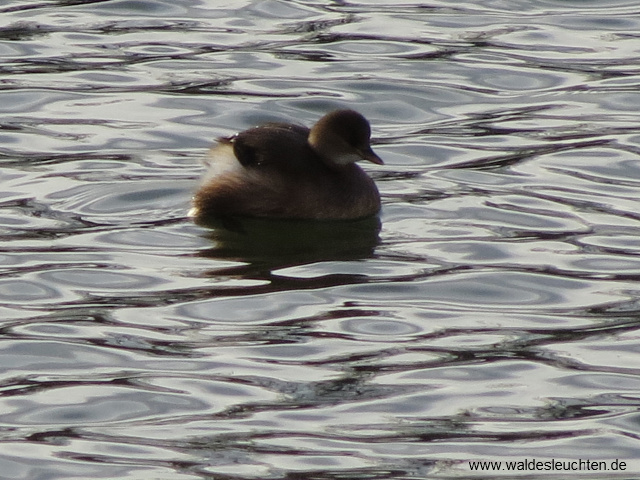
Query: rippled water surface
x=495, y=316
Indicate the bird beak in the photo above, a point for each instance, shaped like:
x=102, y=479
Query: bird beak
x=370, y=155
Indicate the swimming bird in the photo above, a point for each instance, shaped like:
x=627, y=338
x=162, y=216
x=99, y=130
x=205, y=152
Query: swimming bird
x=287, y=171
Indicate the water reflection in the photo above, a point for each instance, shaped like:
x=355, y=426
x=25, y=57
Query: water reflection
x=259, y=240
x=491, y=314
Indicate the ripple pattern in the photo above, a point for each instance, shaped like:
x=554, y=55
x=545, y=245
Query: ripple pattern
x=492, y=315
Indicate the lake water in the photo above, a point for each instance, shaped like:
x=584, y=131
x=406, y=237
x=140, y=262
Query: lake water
x=494, y=317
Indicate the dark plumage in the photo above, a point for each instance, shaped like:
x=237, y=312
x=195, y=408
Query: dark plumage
x=288, y=171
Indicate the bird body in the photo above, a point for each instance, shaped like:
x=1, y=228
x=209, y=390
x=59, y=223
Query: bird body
x=288, y=171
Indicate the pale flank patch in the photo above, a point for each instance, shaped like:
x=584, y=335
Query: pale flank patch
x=220, y=159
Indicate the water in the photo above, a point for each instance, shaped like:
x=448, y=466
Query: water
x=493, y=317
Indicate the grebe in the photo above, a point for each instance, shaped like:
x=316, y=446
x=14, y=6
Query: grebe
x=288, y=171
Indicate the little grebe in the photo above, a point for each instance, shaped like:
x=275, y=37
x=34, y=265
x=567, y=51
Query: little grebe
x=287, y=171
